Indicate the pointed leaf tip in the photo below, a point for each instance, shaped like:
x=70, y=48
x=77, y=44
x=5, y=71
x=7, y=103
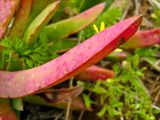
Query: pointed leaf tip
x=138, y=19
x=39, y=22
x=25, y=82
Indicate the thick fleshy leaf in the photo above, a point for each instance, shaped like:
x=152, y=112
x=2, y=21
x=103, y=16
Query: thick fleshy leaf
x=143, y=39
x=21, y=18
x=74, y=24
x=17, y=104
x=38, y=23
x=7, y=9
x=6, y=111
x=82, y=56
x=37, y=7
x=95, y=73
x=111, y=15
x=116, y=56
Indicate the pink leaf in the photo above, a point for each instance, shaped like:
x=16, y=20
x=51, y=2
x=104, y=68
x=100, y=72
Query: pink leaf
x=95, y=73
x=21, y=83
x=7, y=9
x=143, y=39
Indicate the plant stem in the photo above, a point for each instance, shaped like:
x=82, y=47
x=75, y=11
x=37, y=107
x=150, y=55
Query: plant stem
x=81, y=115
x=69, y=102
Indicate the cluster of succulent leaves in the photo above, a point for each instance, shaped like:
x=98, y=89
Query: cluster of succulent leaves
x=123, y=96
x=42, y=50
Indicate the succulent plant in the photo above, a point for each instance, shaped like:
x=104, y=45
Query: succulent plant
x=27, y=22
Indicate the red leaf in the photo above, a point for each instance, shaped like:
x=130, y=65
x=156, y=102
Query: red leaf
x=143, y=39
x=7, y=9
x=95, y=73
x=21, y=83
x=117, y=56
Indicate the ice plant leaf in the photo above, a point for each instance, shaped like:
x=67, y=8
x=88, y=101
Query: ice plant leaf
x=82, y=56
x=74, y=24
x=95, y=73
x=21, y=18
x=38, y=23
x=117, y=56
x=37, y=7
x=7, y=9
x=143, y=39
x=17, y=104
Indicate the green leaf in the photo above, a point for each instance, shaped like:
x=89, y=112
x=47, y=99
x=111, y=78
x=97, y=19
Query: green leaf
x=37, y=7
x=31, y=34
x=63, y=45
x=87, y=100
x=64, y=28
x=102, y=112
x=17, y=104
x=98, y=90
